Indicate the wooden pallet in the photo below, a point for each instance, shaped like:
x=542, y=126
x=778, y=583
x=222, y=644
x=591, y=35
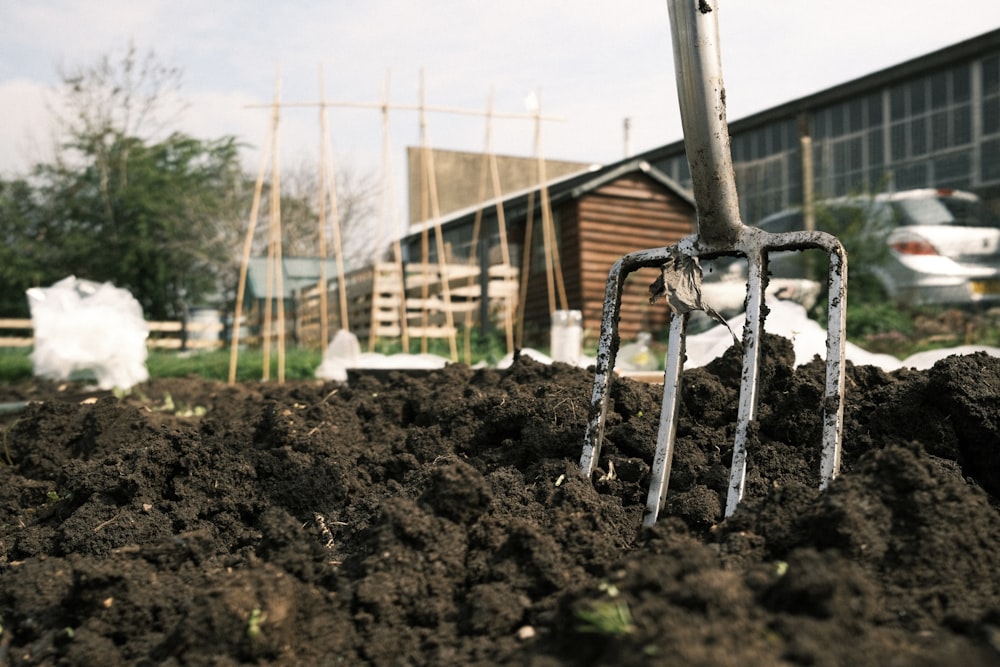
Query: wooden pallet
x=377, y=296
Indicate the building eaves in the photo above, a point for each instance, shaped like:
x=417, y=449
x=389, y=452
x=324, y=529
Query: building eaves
x=628, y=166
x=962, y=51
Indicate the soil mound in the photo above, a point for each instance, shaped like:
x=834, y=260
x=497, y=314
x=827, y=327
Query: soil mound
x=440, y=519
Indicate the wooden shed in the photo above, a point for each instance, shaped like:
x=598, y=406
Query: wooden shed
x=598, y=215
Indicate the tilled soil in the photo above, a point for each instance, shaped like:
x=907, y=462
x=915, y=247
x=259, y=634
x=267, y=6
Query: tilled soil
x=439, y=519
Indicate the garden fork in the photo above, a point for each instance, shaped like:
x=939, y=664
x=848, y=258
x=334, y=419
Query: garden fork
x=719, y=232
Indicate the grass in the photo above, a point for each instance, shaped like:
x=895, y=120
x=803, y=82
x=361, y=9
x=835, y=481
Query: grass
x=15, y=364
x=300, y=363
x=874, y=325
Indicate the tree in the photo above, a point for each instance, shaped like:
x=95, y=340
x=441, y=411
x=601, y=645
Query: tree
x=356, y=194
x=125, y=200
x=26, y=256
x=148, y=223
x=159, y=213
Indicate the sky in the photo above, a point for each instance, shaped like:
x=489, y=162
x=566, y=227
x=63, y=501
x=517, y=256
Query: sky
x=590, y=64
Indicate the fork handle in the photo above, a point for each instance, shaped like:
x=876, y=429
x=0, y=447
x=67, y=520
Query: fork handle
x=694, y=27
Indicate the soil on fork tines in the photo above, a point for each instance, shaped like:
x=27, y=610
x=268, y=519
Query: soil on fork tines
x=440, y=519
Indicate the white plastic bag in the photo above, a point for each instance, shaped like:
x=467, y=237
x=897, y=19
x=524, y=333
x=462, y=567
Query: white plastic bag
x=82, y=327
x=343, y=352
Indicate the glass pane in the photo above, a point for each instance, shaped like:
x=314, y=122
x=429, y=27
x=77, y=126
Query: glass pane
x=991, y=115
x=897, y=103
x=837, y=121
x=939, y=130
x=918, y=97
x=918, y=136
x=855, y=116
x=898, y=141
x=953, y=170
x=876, y=156
x=817, y=126
x=875, y=109
x=911, y=176
x=854, y=154
x=961, y=125
x=989, y=158
x=776, y=134
x=961, y=90
x=939, y=90
x=991, y=75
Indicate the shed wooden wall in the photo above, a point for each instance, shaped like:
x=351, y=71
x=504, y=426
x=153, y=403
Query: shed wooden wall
x=631, y=213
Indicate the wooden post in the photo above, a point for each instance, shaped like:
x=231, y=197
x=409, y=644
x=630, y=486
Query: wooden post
x=438, y=237
x=244, y=264
x=553, y=267
x=324, y=318
x=490, y=169
x=272, y=253
x=328, y=188
x=275, y=263
x=388, y=213
x=525, y=268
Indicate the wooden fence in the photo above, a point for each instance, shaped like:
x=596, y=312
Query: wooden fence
x=170, y=335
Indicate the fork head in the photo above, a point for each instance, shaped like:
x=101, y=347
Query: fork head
x=754, y=245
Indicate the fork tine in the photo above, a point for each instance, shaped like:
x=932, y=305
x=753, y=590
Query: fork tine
x=836, y=341
x=747, y=411
x=667, y=434
x=607, y=350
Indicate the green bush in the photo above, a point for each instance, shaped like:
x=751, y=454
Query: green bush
x=879, y=317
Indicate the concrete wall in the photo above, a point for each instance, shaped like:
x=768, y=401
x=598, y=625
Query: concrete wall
x=458, y=177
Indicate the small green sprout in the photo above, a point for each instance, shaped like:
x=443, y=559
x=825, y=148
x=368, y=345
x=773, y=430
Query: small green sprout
x=257, y=618
x=605, y=617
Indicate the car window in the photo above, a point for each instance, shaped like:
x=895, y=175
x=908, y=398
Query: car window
x=786, y=222
x=945, y=211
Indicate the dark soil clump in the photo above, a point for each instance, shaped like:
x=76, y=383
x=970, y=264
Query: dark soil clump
x=440, y=519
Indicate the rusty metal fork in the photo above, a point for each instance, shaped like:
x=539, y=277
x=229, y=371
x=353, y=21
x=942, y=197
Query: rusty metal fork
x=720, y=232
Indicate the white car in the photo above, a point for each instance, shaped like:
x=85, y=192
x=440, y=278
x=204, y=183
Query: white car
x=724, y=287
x=928, y=246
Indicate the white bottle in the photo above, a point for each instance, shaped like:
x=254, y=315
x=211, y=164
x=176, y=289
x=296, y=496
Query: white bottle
x=638, y=356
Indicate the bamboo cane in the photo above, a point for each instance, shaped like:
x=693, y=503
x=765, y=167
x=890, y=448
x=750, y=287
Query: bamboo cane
x=525, y=268
x=324, y=321
x=275, y=259
x=269, y=286
x=476, y=226
x=330, y=189
x=244, y=265
x=438, y=236
x=553, y=267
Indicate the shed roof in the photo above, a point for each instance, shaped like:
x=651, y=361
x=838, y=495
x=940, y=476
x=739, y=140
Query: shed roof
x=560, y=189
x=297, y=273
